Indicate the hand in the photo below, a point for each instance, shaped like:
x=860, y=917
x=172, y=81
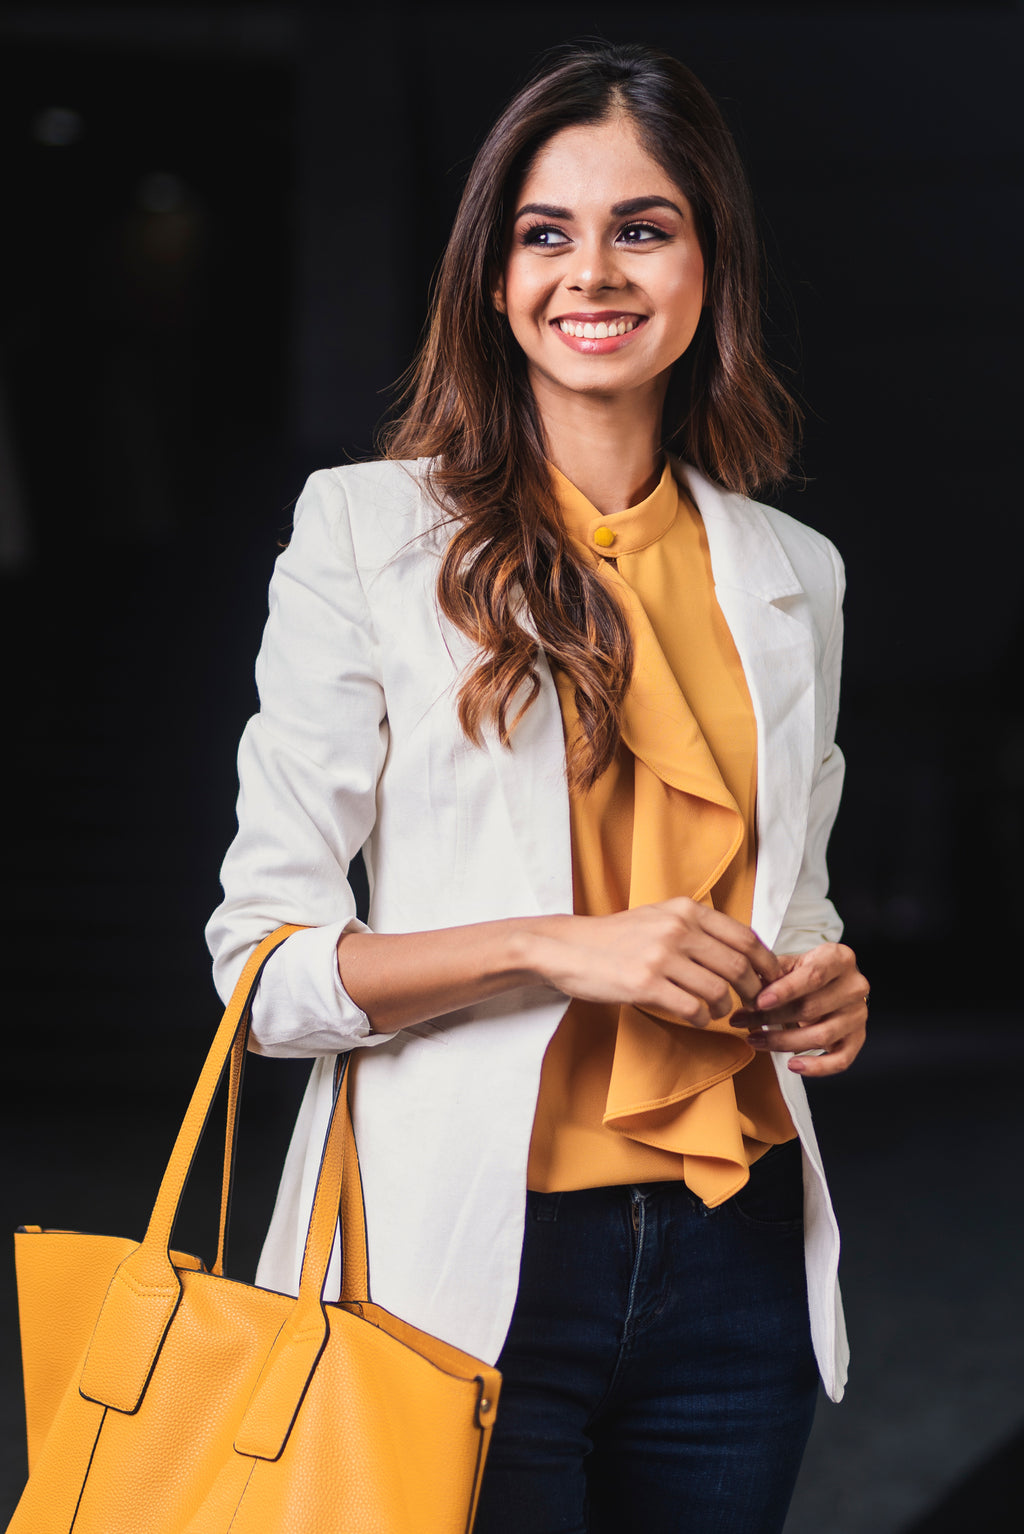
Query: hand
x=819, y=1003
x=675, y=958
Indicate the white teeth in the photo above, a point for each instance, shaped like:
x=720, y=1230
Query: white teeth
x=596, y=332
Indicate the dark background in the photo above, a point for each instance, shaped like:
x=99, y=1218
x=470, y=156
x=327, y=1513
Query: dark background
x=220, y=225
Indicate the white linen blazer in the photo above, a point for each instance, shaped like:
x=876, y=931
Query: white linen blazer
x=357, y=745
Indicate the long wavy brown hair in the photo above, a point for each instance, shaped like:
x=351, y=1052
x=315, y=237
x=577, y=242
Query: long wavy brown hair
x=510, y=578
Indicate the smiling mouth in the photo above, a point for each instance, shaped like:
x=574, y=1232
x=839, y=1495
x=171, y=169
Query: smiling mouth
x=598, y=330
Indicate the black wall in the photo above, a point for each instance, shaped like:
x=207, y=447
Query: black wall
x=220, y=223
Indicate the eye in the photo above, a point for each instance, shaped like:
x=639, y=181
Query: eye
x=641, y=234
x=543, y=237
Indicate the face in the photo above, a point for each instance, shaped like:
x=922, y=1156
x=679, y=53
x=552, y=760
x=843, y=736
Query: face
x=604, y=277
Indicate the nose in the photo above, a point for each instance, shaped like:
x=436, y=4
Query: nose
x=594, y=269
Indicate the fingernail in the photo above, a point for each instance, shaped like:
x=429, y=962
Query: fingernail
x=798, y=1066
x=767, y=999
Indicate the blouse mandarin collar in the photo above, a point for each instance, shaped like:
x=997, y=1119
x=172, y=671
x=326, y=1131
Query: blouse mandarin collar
x=621, y=532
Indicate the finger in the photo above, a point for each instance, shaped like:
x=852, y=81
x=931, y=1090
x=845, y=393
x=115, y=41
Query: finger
x=733, y=934
x=834, y=997
x=827, y=1034
x=839, y=1038
x=730, y=964
x=729, y=973
x=833, y=1062
x=676, y=1003
x=812, y=972
x=703, y=982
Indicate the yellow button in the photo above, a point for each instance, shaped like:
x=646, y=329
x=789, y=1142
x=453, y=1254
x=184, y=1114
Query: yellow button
x=604, y=537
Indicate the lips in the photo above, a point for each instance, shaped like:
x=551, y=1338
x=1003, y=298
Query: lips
x=597, y=334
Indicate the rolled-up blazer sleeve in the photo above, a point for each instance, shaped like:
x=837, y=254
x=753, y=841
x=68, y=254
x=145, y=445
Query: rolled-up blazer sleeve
x=811, y=918
x=308, y=766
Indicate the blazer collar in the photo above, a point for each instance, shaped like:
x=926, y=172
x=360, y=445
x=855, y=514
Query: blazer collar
x=746, y=552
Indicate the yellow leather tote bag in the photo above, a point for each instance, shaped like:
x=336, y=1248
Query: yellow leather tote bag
x=165, y=1399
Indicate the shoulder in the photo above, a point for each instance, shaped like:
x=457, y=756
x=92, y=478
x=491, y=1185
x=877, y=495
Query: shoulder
x=762, y=548
x=369, y=511
x=814, y=557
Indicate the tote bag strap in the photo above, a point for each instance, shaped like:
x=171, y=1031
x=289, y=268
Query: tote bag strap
x=145, y=1290
x=236, y=1068
x=291, y=1361
x=354, y=1278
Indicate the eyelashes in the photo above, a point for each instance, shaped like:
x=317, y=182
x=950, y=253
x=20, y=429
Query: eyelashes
x=543, y=236
x=652, y=233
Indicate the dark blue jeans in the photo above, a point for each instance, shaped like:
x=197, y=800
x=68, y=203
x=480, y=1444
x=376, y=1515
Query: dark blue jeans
x=658, y=1373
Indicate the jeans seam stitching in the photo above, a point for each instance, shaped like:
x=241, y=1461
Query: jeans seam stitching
x=624, y=1346
x=634, y=1278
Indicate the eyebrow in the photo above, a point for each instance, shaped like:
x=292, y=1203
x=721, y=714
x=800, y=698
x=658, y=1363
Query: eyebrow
x=619, y=209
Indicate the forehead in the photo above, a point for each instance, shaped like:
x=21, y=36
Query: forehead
x=603, y=162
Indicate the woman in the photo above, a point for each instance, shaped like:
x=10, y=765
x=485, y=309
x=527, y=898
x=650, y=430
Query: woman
x=575, y=699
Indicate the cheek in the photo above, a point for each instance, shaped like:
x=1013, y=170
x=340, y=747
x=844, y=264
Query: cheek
x=519, y=309
x=687, y=295
x=524, y=293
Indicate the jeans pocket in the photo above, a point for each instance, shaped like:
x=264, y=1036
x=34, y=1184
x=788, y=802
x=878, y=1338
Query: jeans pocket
x=773, y=1199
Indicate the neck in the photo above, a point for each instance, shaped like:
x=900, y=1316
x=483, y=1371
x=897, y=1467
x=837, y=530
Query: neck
x=609, y=448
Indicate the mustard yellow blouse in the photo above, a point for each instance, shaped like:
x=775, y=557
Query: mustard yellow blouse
x=627, y=1096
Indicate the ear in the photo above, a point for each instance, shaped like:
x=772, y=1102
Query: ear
x=498, y=294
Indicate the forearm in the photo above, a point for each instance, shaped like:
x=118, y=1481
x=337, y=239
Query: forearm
x=400, y=979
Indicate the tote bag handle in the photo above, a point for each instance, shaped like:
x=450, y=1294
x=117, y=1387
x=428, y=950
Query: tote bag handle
x=354, y=1279
x=145, y=1291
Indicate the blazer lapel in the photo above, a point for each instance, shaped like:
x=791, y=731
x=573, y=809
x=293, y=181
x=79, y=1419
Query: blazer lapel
x=753, y=578
x=531, y=774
